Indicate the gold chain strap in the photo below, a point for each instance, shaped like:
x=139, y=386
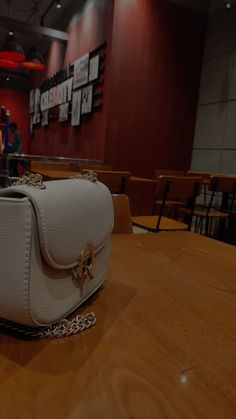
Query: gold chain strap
x=63, y=328
x=32, y=179
x=36, y=180
x=87, y=175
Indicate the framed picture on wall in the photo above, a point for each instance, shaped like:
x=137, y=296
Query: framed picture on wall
x=60, y=94
x=69, y=84
x=44, y=119
x=36, y=117
x=94, y=68
x=37, y=97
x=63, y=112
x=31, y=124
x=81, y=71
x=32, y=93
x=87, y=98
x=76, y=104
x=44, y=101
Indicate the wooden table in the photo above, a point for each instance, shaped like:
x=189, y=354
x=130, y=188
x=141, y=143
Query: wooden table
x=164, y=345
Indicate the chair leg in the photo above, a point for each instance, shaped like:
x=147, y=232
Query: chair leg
x=210, y=226
x=207, y=227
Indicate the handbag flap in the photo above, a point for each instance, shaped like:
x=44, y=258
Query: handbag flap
x=70, y=214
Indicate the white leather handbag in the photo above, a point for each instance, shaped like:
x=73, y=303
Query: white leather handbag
x=54, y=249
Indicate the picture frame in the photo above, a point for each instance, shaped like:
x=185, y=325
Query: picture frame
x=76, y=108
x=86, y=99
x=81, y=71
x=64, y=112
x=94, y=68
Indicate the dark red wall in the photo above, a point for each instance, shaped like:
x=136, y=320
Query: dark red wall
x=155, y=70
x=18, y=104
x=153, y=65
x=87, y=141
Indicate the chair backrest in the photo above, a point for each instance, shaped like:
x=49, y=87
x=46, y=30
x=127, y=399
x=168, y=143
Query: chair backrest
x=178, y=187
x=115, y=181
x=122, y=215
x=183, y=188
x=168, y=172
x=74, y=167
x=204, y=175
x=45, y=165
x=226, y=185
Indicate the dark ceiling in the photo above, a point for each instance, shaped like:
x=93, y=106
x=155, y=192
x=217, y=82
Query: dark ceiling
x=20, y=15
x=203, y=6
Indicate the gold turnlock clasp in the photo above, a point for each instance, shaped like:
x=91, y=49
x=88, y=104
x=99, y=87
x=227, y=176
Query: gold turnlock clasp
x=85, y=265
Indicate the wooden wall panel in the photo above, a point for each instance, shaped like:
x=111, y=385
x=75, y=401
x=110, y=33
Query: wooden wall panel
x=155, y=70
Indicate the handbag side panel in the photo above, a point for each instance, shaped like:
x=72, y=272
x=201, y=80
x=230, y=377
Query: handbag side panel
x=15, y=248
x=54, y=293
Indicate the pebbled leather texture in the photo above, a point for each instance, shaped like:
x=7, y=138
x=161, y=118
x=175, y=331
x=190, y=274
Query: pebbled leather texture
x=42, y=235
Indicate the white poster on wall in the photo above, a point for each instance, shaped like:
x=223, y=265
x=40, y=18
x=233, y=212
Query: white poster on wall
x=76, y=103
x=37, y=97
x=44, y=119
x=50, y=99
x=81, y=70
x=87, y=97
x=44, y=101
x=94, y=68
x=69, y=84
x=32, y=93
x=55, y=96
x=60, y=94
x=63, y=112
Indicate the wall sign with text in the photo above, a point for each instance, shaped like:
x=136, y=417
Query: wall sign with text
x=73, y=91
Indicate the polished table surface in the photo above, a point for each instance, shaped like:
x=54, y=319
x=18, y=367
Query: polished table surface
x=164, y=345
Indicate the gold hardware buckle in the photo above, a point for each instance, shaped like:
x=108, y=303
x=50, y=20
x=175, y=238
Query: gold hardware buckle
x=85, y=265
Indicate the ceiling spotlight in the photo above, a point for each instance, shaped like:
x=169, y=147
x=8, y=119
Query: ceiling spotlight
x=7, y=78
x=10, y=33
x=227, y=6
x=58, y=4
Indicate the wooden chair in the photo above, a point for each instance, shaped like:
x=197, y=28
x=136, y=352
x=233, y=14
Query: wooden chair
x=171, y=205
x=172, y=188
x=116, y=181
x=122, y=215
x=226, y=185
x=74, y=167
x=168, y=172
x=45, y=165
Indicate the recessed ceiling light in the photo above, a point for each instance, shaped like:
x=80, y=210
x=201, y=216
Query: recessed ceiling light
x=7, y=78
x=58, y=4
x=10, y=33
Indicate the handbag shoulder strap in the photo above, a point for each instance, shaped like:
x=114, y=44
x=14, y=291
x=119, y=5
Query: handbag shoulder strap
x=60, y=329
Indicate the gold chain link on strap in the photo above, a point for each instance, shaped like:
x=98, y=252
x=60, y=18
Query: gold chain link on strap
x=32, y=179
x=87, y=175
x=63, y=327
